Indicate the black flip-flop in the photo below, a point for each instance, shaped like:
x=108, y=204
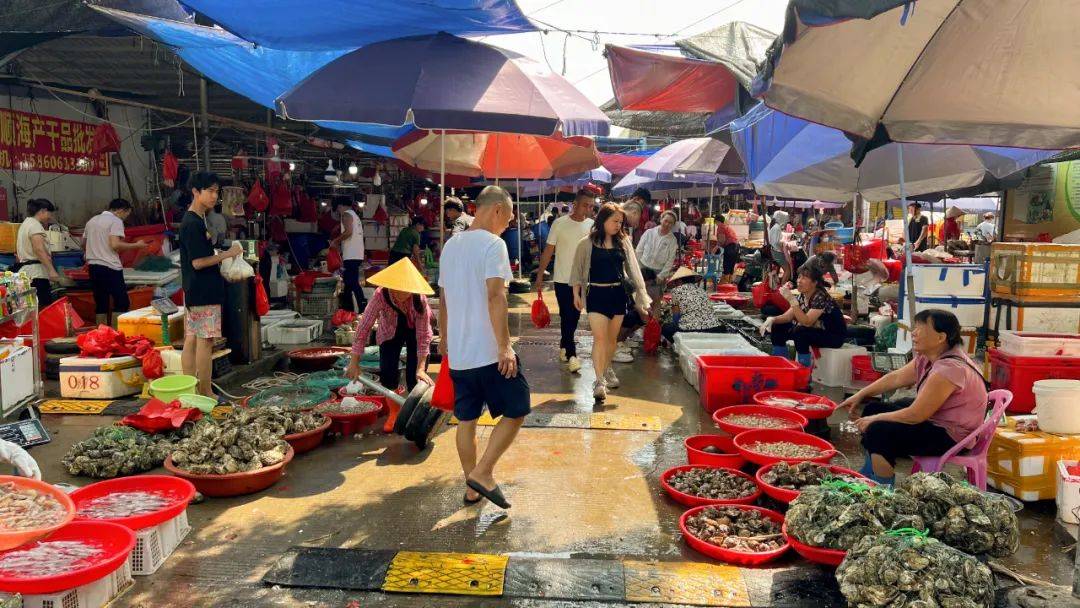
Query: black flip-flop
x=471, y=501
x=495, y=495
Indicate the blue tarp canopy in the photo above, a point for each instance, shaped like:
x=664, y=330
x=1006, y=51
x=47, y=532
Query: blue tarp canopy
x=340, y=24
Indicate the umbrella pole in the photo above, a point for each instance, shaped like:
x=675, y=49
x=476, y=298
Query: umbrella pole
x=909, y=277
x=517, y=203
x=442, y=190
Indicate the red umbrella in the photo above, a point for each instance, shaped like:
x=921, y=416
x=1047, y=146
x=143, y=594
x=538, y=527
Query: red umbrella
x=497, y=155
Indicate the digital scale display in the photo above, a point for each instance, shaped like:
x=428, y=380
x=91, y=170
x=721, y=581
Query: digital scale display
x=25, y=433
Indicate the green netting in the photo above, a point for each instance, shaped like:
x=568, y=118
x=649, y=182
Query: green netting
x=290, y=397
x=331, y=380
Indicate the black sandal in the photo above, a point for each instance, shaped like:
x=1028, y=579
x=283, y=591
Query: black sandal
x=471, y=501
x=495, y=495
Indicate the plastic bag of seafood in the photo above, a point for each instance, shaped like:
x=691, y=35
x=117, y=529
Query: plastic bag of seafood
x=838, y=514
x=907, y=569
x=112, y=451
x=961, y=516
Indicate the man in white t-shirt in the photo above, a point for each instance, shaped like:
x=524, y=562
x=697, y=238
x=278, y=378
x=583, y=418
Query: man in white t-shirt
x=988, y=228
x=32, y=250
x=352, y=253
x=476, y=346
x=103, y=239
x=563, y=238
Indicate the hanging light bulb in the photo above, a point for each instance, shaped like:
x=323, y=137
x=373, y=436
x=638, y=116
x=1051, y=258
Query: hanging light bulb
x=423, y=201
x=330, y=174
x=292, y=166
x=353, y=169
x=656, y=207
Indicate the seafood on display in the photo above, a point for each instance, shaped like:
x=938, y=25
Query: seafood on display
x=795, y=403
x=245, y=440
x=743, y=530
x=836, y=514
x=961, y=516
x=801, y=475
x=905, y=569
x=27, y=508
x=123, y=504
x=47, y=558
x=712, y=483
x=712, y=449
x=112, y=451
x=347, y=406
x=758, y=421
x=785, y=449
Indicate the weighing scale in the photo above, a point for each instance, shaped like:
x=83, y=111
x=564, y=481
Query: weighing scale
x=25, y=433
x=165, y=307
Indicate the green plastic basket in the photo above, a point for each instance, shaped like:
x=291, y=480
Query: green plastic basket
x=290, y=397
x=331, y=380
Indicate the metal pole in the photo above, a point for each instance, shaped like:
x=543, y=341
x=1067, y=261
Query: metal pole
x=909, y=277
x=517, y=202
x=442, y=189
x=204, y=122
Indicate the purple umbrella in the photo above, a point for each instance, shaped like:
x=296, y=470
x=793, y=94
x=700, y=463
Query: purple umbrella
x=443, y=82
x=697, y=160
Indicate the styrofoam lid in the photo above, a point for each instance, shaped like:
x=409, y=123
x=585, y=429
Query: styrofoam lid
x=1055, y=385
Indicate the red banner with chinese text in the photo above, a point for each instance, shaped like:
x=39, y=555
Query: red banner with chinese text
x=35, y=142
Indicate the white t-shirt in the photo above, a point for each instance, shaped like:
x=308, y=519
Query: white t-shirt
x=24, y=248
x=352, y=248
x=988, y=230
x=477, y=255
x=96, y=235
x=565, y=234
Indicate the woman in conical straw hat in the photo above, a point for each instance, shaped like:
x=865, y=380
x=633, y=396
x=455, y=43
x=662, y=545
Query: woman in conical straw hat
x=689, y=300
x=400, y=306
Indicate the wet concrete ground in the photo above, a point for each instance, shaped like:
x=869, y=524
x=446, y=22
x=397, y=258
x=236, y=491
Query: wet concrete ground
x=575, y=492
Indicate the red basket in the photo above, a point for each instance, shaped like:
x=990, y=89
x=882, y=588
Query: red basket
x=809, y=414
x=349, y=424
x=694, y=501
x=1018, y=374
x=827, y=557
x=316, y=359
x=785, y=495
x=727, y=288
x=308, y=440
x=729, y=457
x=115, y=541
x=735, y=300
x=735, y=379
x=9, y=539
x=178, y=491
x=862, y=370
x=728, y=555
x=751, y=437
x=796, y=420
x=234, y=484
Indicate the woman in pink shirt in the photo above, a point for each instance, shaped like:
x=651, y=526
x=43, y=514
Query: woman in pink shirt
x=950, y=400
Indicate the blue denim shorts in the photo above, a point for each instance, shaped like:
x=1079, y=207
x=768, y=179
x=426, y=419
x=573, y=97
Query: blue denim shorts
x=480, y=386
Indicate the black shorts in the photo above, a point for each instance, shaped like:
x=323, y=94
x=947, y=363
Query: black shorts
x=108, y=283
x=607, y=301
x=893, y=440
x=474, y=388
x=731, y=257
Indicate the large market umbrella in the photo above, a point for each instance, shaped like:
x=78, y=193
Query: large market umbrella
x=696, y=160
x=987, y=72
x=547, y=186
x=790, y=157
x=497, y=155
x=442, y=81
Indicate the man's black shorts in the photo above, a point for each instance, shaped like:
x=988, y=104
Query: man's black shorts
x=480, y=386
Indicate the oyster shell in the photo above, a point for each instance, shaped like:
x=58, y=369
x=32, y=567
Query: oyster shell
x=245, y=440
x=837, y=515
x=961, y=516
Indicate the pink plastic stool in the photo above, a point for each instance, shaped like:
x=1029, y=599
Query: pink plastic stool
x=974, y=458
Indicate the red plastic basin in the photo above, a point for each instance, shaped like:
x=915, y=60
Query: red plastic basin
x=735, y=379
x=827, y=557
x=747, y=438
x=308, y=440
x=694, y=501
x=317, y=359
x=115, y=541
x=234, y=484
x=1018, y=374
x=10, y=539
x=728, y=458
x=809, y=414
x=794, y=419
x=730, y=556
x=727, y=288
x=349, y=424
x=785, y=495
x=178, y=491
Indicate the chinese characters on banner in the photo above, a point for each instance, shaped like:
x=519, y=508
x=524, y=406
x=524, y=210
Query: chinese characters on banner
x=34, y=142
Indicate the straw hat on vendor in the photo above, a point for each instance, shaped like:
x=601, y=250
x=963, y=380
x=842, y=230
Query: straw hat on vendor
x=696, y=312
x=399, y=312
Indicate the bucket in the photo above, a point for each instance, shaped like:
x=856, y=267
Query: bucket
x=202, y=402
x=169, y=388
x=1055, y=406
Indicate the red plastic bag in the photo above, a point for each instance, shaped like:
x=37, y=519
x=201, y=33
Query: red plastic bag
x=102, y=342
x=333, y=259
x=342, y=317
x=105, y=139
x=262, y=300
x=281, y=198
x=170, y=168
x=152, y=365
x=157, y=416
x=856, y=259
x=652, y=336
x=306, y=209
x=257, y=198
x=541, y=316
x=443, y=396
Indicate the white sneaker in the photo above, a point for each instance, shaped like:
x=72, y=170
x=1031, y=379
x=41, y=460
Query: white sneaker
x=562, y=355
x=610, y=379
x=599, y=391
x=623, y=355
x=573, y=365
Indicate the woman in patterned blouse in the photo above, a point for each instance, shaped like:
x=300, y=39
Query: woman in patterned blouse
x=691, y=303
x=814, y=319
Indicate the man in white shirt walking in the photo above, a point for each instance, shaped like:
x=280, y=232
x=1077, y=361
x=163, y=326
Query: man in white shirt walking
x=352, y=252
x=104, y=240
x=566, y=232
x=988, y=228
x=476, y=346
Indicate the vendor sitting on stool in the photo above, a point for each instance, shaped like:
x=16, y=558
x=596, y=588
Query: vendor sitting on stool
x=401, y=308
x=690, y=302
x=814, y=319
x=950, y=399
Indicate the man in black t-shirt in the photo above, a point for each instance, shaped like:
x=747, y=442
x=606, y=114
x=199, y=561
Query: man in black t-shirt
x=204, y=287
x=917, y=228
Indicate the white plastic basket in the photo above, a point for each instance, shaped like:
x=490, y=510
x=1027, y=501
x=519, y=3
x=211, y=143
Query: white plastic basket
x=1027, y=344
x=299, y=331
x=91, y=595
x=833, y=367
x=155, y=544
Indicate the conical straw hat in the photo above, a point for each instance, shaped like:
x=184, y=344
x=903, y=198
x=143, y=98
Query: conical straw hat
x=402, y=275
x=682, y=273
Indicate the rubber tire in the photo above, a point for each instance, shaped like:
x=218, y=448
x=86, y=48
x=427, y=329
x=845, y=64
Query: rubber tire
x=414, y=428
x=431, y=426
x=414, y=397
x=62, y=346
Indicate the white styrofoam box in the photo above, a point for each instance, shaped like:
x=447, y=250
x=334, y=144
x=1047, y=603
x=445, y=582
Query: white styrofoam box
x=694, y=340
x=279, y=288
x=1029, y=344
x=279, y=315
x=833, y=367
x=16, y=375
x=1028, y=496
x=969, y=311
x=960, y=280
x=155, y=544
x=298, y=331
x=1043, y=320
x=688, y=356
x=1068, y=493
x=94, y=378
x=91, y=595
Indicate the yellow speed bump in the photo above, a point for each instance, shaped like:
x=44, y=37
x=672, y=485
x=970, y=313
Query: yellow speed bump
x=446, y=573
x=73, y=406
x=685, y=583
x=624, y=422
